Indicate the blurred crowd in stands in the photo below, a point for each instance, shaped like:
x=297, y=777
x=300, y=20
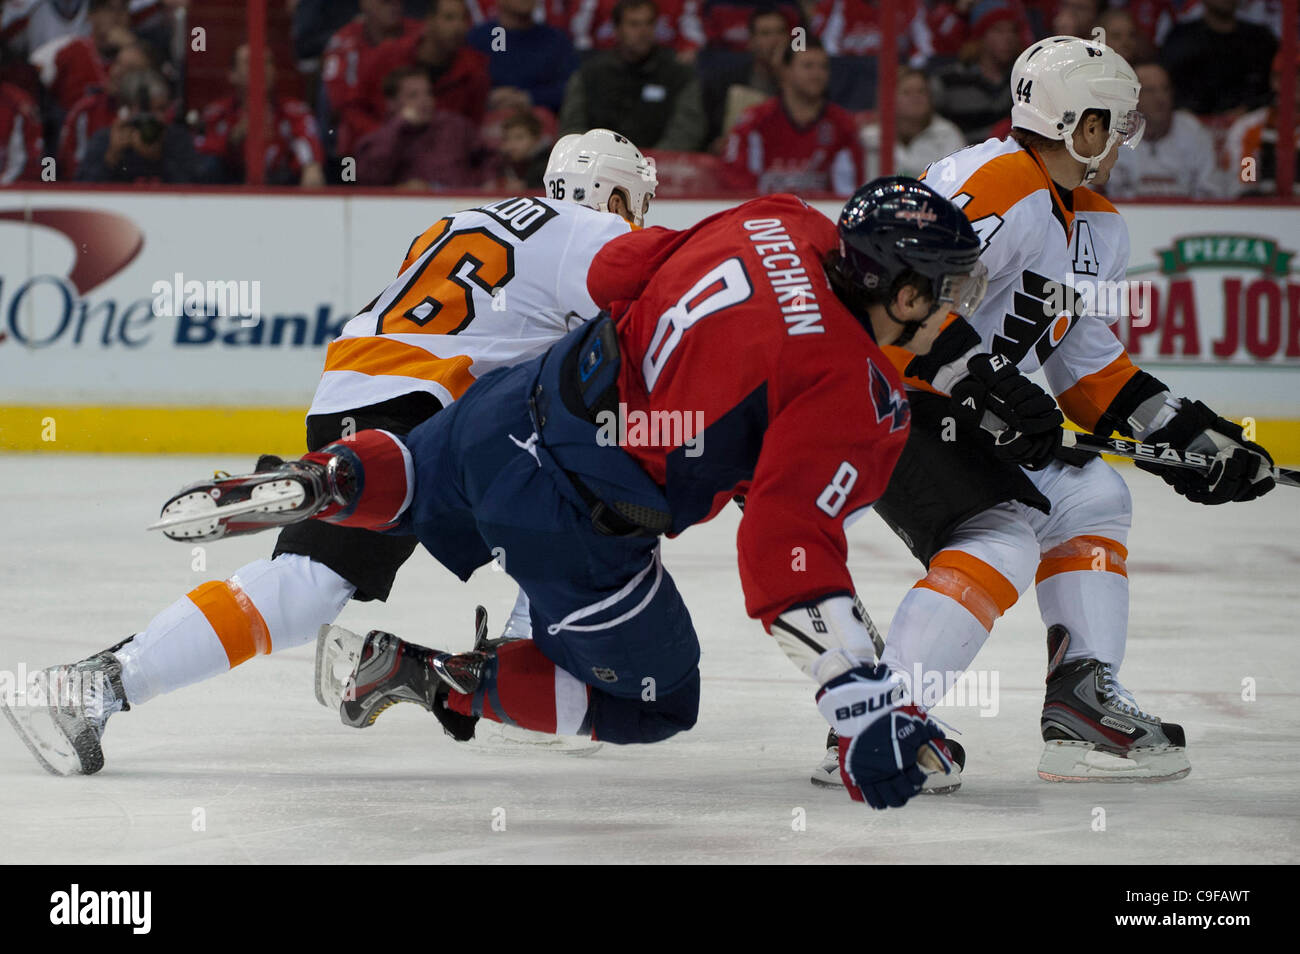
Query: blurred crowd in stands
x=748, y=96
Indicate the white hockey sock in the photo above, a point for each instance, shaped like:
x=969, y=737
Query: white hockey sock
x=264, y=606
x=932, y=640
x=1093, y=606
x=520, y=623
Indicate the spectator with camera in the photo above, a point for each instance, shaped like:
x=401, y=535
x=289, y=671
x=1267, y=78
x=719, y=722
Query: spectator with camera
x=141, y=146
x=97, y=109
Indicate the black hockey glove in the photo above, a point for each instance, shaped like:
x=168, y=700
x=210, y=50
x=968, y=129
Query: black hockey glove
x=1025, y=428
x=1241, y=469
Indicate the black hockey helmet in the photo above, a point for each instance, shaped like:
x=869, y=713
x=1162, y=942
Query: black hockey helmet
x=895, y=230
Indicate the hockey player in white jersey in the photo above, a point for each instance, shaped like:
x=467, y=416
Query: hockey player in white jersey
x=482, y=288
x=989, y=516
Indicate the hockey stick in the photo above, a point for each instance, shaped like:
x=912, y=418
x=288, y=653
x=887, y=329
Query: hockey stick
x=1159, y=454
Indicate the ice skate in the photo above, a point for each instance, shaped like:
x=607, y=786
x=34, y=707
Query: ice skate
x=827, y=773
x=1094, y=731
x=62, y=711
x=500, y=738
x=362, y=676
x=277, y=493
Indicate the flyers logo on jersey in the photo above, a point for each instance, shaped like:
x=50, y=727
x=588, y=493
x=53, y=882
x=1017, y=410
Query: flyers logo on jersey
x=888, y=400
x=1041, y=315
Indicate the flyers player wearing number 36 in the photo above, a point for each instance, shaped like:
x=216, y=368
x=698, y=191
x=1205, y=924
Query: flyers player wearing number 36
x=763, y=322
x=992, y=517
x=480, y=289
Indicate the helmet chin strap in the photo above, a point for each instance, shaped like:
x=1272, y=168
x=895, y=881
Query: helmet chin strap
x=910, y=328
x=1093, y=163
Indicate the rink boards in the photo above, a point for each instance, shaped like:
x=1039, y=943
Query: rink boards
x=175, y=322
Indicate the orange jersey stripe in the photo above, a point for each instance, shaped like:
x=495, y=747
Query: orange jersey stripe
x=1085, y=401
x=234, y=618
x=377, y=355
x=1098, y=554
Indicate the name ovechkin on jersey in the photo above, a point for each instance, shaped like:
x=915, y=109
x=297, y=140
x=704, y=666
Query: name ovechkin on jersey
x=792, y=287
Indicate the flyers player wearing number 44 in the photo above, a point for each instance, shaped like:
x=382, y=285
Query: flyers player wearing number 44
x=993, y=516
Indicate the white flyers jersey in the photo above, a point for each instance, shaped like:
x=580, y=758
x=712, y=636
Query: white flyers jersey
x=479, y=290
x=1056, y=265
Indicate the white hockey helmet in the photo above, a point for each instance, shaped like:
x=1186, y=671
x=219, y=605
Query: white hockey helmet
x=586, y=168
x=1057, y=79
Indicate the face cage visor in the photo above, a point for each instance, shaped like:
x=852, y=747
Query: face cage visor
x=963, y=293
x=1129, y=128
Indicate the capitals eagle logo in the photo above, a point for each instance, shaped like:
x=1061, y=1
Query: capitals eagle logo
x=889, y=402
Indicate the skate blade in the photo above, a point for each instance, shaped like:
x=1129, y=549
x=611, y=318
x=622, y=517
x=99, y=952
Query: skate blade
x=1064, y=761
x=197, y=515
x=43, y=738
x=499, y=739
x=337, y=652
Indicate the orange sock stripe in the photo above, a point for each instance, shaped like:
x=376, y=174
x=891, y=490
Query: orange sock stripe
x=1099, y=554
x=234, y=618
x=982, y=590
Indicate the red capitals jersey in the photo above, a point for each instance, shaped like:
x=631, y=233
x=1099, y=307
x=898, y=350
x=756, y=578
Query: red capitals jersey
x=853, y=26
x=21, y=143
x=679, y=25
x=91, y=113
x=767, y=152
x=292, y=141
x=742, y=373
x=348, y=59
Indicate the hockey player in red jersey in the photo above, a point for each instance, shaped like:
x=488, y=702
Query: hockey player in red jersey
x=992, y=518
x=764, y=325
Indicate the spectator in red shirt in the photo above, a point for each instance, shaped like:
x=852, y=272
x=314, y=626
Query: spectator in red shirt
x=798, y=141
x=72, y=65
x=419, y=146
x=294, y=155
x=458, y=72
x=21, y=144
x=726, y=22
x=97, y=109
x=678, y=26
x=348, y=58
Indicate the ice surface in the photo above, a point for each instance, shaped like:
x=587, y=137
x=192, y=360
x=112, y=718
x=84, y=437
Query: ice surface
x=278, y=779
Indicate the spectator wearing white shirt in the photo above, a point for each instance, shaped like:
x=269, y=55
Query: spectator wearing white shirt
x=920, y=134
x=1175, y=158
